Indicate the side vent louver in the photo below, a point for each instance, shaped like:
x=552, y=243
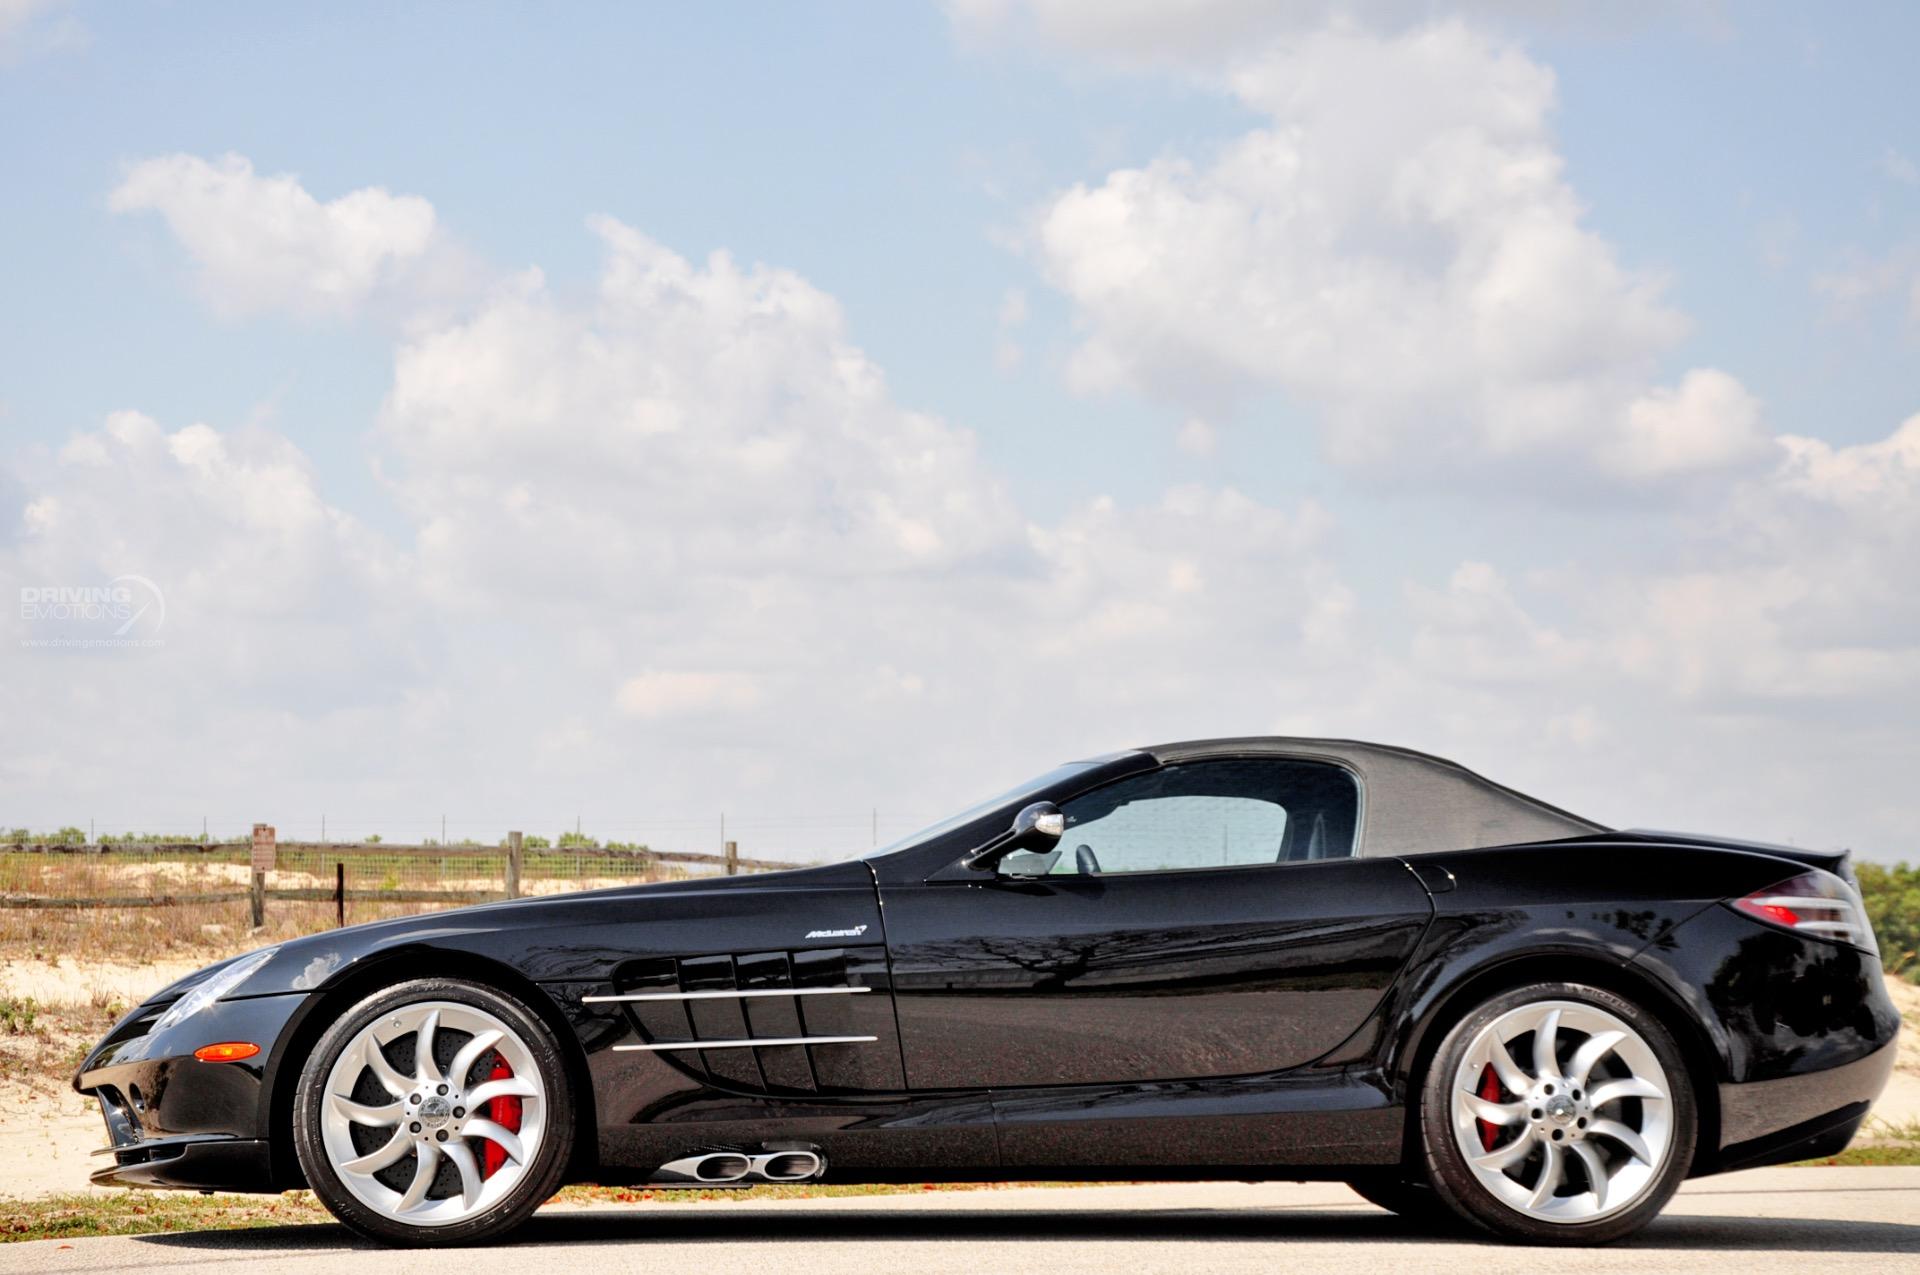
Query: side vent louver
x=764, y=1022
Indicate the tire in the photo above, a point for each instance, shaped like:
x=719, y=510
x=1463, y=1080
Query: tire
x=1396, y=1192
x=1584, y=1148
x=454, y=1169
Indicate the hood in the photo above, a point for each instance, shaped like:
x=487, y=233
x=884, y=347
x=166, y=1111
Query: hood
x=502, y=930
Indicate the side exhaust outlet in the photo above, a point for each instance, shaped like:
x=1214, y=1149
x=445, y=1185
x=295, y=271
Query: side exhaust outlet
x=788, y=1166
x=715, y=1166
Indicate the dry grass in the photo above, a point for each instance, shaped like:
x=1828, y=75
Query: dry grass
x=121, y=929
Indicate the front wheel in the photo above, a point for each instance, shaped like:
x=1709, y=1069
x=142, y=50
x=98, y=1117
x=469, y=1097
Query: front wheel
x=434, y=1112
x=1558, y=1113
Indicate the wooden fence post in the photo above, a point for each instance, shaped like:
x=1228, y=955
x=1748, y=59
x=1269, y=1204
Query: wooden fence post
x=262, y=860
x=733, y=858
x=339, y=893
x=515, y=850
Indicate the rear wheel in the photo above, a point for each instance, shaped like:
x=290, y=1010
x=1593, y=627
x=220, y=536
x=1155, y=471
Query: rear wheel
x=1558, y=1113
x=434, y=1112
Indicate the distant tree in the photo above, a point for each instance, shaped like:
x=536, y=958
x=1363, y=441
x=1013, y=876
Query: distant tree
x=1891, y=893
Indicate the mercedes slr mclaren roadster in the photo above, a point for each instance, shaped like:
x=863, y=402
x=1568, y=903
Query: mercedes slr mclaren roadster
x=1243, y=958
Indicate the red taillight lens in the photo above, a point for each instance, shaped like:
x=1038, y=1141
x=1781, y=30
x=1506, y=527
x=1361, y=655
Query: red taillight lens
x=1817, y=904
x=226, y=1051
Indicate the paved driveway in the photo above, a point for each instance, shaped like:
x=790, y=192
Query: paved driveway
x=1797, y=1220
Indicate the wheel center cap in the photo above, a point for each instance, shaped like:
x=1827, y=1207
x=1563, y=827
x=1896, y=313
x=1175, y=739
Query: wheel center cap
x=435, y=1112
x=1560, y=1108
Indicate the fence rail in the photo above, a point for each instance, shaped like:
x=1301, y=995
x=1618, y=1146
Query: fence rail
x=142, y=899
x=381, y=849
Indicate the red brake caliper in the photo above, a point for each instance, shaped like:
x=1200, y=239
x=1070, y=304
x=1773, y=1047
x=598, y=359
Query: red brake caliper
x=1489, y=1089
x=504, y=1112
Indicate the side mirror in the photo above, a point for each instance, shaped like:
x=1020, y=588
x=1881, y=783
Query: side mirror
x=1037, y=827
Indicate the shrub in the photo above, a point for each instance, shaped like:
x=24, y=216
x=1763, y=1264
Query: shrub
x=1892, y=895
x=17, y=1014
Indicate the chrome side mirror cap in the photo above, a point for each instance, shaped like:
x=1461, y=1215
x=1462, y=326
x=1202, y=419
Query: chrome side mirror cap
x=1037, y=827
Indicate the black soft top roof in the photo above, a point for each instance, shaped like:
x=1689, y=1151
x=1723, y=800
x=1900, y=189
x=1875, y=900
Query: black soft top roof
x=1410, y=802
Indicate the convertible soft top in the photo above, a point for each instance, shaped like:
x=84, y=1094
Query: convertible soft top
x=1410, y=802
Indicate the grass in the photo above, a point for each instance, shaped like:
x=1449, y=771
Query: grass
x=1873, y=1155
x=148, y=1212
x=153, y=1212
x=1883, y=1143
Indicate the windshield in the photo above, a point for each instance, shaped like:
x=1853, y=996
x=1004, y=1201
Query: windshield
x=1017, y=794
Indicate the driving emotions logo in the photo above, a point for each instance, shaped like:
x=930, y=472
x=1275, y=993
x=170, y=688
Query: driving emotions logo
x=127, y=611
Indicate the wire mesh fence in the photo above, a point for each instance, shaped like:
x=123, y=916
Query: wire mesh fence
x=141, y=901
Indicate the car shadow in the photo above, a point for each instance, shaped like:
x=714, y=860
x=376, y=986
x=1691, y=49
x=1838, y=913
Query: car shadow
x=702, y=1225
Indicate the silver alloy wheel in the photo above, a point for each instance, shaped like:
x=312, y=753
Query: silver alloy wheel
x=436, y=1119
x=1583, y=1123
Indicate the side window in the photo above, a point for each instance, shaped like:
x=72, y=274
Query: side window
x=1213, y=814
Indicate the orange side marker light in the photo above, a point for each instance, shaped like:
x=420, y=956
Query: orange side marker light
x=226, y=1051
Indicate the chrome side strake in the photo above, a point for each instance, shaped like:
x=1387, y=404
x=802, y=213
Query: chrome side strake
x=756, y=1043
x=725, y=995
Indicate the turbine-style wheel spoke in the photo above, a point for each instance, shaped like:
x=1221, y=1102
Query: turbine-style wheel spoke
x=426, y=1163
x=361, y=1113
x=507, y=1142
x=470, y=1054
x=1591, y=1051
x=1502, y=1158
x=1511, y=1076
x=1552, y=1172
x=1596, y=1172
x=1546, y=1045
x=383, y=1071
x=371, y=1163
x=425, y=1070
x=1624, y=1136
x=469, y=1172
x=1613, y=1090
x=511, y=1087
x=1494, y=1112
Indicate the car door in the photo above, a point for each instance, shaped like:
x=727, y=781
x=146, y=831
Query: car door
x=1197, y=920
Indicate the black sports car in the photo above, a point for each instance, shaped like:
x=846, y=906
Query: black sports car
x=1242, y=958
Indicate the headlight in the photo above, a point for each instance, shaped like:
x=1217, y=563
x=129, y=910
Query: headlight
x=212, y=989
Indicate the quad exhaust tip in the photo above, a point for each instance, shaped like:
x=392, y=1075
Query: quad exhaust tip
x=787, y=1166
x=736, y=1168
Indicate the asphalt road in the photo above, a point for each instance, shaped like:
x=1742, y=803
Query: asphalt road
x=1798, y=1220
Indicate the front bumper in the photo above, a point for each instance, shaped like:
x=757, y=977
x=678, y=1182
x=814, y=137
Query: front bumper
x=174, y=1121
x=190, y=1163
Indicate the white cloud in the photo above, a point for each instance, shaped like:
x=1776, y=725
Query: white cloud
x=1900, y=167
x=671, y=545
x=265, y=243
x=1202, y=35
x=37, y=26
x=668, y=693
x=1399, y=248
x=1007, y=353
x=1853, y=287
x=1709, y=423
x=1196, y=438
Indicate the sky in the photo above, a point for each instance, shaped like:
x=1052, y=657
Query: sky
x=821, y=415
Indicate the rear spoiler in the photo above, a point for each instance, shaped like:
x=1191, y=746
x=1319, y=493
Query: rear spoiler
x=1838, y=862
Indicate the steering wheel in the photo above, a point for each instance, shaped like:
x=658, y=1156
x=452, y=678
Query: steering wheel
x=1084, y=859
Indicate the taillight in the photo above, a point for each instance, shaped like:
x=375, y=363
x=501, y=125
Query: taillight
x=1815, y=903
